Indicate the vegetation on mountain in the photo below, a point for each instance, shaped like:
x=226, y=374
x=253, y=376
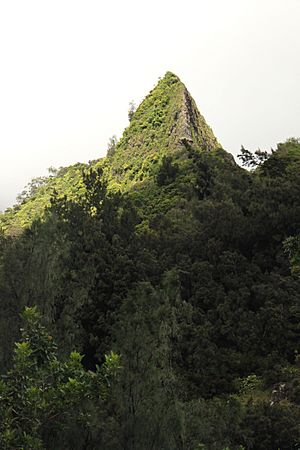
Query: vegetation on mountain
x=179, y=261
x=36, y=196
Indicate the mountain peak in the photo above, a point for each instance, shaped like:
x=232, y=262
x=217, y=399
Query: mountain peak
x=170, y=75
x=167, y=122
x=170, y=108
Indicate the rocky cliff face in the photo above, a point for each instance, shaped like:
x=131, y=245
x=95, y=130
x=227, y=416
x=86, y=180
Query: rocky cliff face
x=191, y=126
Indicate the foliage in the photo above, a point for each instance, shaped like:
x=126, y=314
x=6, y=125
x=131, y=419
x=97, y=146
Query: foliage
x=131, y=110
x=43, y=398
x=166, y=172
x=292, y=248
x=252, y=159
x=35, y=198
x=111, y=147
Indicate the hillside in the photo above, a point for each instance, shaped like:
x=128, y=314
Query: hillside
x=167, y=123
x=179, y=261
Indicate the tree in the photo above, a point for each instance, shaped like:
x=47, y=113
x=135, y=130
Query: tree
x=111, y=146
x=292, y=248
x=167, y=171
x=131, y=110
x=253, y=159
x=31, y=189
x=145, y=397
x=43, y=398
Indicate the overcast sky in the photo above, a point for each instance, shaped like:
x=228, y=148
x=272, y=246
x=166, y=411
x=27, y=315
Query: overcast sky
x=70, y=68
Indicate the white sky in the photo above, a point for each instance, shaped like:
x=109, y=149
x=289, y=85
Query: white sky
x=70, y=68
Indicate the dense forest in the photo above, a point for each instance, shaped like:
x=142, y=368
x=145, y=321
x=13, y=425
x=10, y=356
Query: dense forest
x=150, y=300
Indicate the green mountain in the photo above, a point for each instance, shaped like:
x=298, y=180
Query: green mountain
x=166, y=124
x=182, y=264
